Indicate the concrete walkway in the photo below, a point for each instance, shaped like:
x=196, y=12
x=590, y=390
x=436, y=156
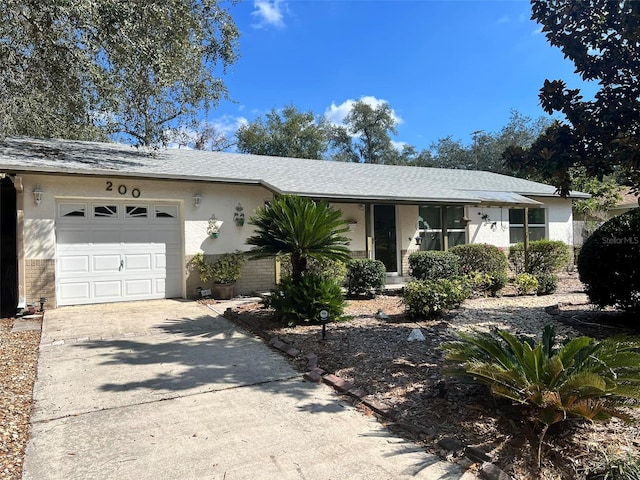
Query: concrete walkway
x=169, y=390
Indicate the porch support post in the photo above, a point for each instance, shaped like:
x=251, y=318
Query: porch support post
x=526, y=239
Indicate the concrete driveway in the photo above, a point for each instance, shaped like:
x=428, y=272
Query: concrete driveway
x=168, y=389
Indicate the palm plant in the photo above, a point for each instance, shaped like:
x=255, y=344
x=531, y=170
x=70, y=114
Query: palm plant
x=583, y=378
x=301, y=228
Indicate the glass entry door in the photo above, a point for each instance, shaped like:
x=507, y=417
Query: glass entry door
x=384, y=234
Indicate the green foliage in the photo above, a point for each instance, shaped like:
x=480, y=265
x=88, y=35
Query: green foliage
x=484, y=264
x=583, y=378
x=428, y=298
x=134, y=68
x=483, y=258
x=303, y=301
x=432, y=265
x=490, y=283
x=227, y=268
x=365, y=276
x=365, y=135
x=526, y=284
x=301, y=228
x=600, y=133
x=547, y=283
x=605, y=194
x=617, y=468
x=609, y=263
x=288, y=134
x=321, y=267
x=545, y=256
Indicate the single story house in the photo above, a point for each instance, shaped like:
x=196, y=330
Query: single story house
x=87, y=222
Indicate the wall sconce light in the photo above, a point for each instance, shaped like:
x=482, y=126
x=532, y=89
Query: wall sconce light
x=352, y=224
x=238, y=216
x=418, y=240
x=37, y=195
x=197, y=198
x=466, y=221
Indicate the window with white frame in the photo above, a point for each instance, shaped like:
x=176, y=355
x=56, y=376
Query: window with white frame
x=439, y=223
x=537, y=224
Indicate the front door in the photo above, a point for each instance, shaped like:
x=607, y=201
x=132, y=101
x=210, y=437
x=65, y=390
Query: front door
x=384, y=234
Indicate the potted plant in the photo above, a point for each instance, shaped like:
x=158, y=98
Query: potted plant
x=224, y=271
x=213, y=227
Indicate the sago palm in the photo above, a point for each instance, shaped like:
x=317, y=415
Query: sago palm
x=582, y=378
x=301, y=228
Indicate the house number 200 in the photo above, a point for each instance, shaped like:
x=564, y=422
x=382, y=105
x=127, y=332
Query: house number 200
x=122, y=190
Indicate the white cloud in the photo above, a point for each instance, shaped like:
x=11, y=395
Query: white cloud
x=270, y=13
x=537, y=31
x=504, y=19
x=335, y=113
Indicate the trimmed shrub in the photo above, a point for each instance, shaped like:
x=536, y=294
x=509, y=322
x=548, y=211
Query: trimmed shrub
x=365, y=276
x=303, y=302
x=321, y=267
x=547, y=283
x=526, y=284
x=609, y=263
x=433, y=264
x=428, y=298
x=483, y=258
x=545, y=256
x=490, y=283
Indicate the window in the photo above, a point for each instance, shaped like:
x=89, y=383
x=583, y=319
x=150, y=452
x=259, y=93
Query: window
x=537, y=224
x=136, y=211
x=431, y=231
x=72, y=210
x=105, y=211
x=166, y=211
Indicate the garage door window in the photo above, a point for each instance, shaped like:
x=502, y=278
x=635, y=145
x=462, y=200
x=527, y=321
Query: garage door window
x=136, y=211
x=105, y=211
x=168, y=211
x=71, y=210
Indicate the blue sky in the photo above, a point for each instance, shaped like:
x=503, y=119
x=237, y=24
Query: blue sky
x=445, y=67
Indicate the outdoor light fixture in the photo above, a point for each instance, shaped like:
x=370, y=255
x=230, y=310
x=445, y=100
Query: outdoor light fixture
x=418, y=240
x=37, y=195
x=197, y=198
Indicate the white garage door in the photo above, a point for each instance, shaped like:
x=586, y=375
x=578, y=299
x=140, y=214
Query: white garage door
x=117, y=251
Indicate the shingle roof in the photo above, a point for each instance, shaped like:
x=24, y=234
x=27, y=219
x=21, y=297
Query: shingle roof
x=314, y=178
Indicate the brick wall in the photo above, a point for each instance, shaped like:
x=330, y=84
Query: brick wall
x=257, y=276
x=40, y=281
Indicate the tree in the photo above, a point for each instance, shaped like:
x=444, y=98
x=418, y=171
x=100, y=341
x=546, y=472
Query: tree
x=365, y=136
x=299, y=227
x=87, y=67
x=288, y=134
x=601, y=135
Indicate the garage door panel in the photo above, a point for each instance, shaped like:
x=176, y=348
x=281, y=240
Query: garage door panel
x=141, y=287
x=74, y=264
x=78, y=291
x=106, y=263
x=138, y=261
x=118, y=259
x=107, y=289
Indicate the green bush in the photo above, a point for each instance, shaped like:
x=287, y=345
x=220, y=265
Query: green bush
x=490, y=283
x=526, y=284
x=433, y=264
x=303, y=302
x=583, y=378
x=547, y=283
x=617, y=468
x=427, y=298
x=545, y=256
x=483, y=258
x=365, y=276
x=609, y=263
x=321, y=267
